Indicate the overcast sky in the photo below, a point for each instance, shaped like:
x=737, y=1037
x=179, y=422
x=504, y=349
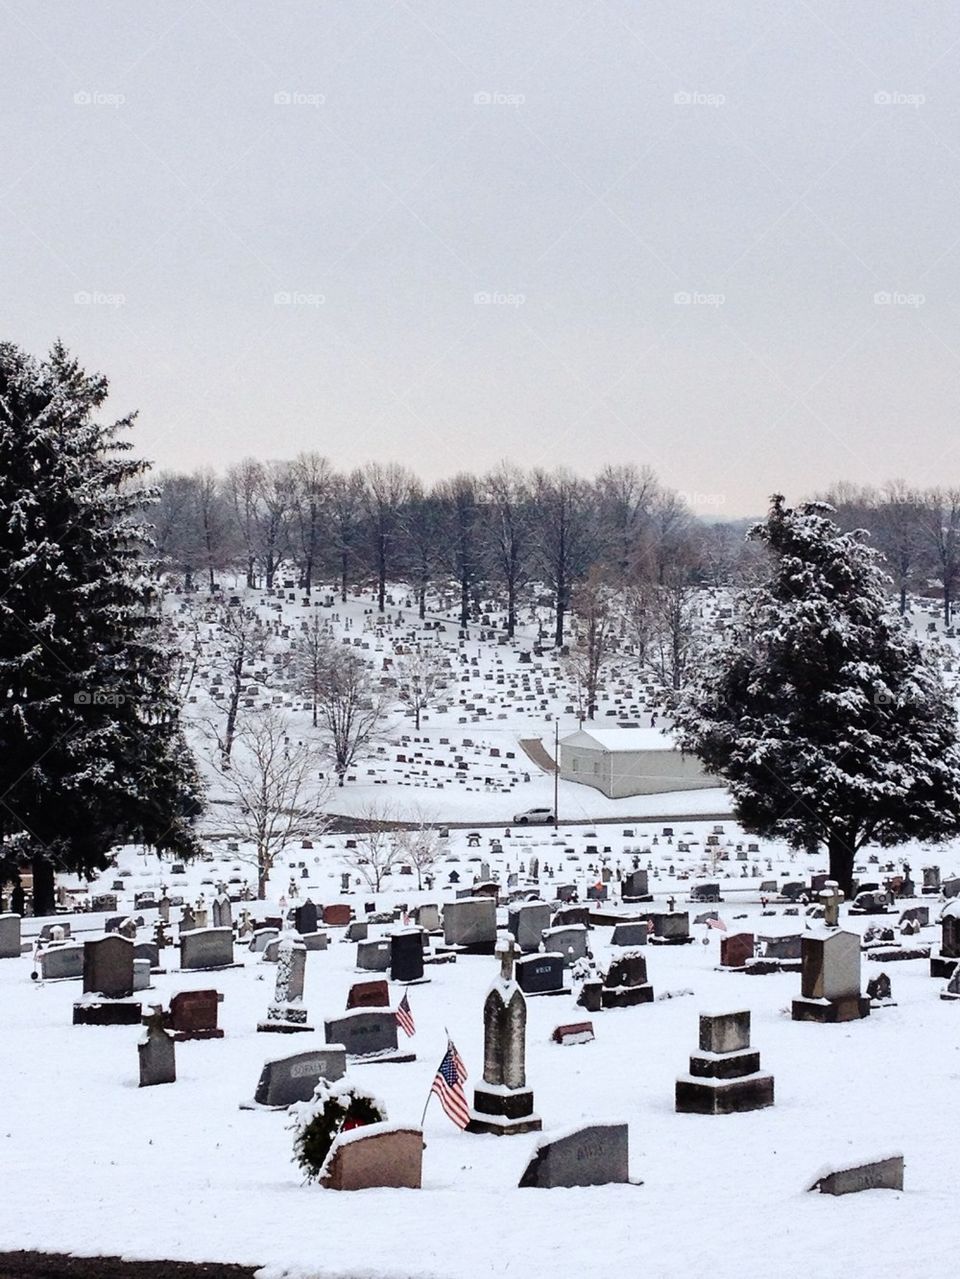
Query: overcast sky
x=274, y=226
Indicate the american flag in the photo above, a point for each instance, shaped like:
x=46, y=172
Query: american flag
x=448, y=1086
x=405, y=1017
x=717, y=923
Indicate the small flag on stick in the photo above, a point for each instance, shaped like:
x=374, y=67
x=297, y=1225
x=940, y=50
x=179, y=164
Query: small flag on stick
x=448, y=1086
x=405, y=1017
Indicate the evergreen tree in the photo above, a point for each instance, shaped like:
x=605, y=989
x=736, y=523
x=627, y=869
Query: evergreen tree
x=91, y=749
x=823, y=713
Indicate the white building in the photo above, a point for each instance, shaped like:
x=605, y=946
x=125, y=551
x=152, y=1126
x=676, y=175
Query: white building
x=630, y=761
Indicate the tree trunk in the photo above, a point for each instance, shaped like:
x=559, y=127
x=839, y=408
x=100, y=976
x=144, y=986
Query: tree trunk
x=263, y=874
x=343, y=577
x=44, y=893
x=381, y=574
x=423, y=601
x=464, y=602
x=511, y=609
x=841, y=862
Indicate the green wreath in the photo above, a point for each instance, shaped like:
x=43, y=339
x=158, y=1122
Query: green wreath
x=354, y=1108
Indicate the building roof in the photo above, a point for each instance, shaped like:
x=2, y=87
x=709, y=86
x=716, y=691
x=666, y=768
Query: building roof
x=621, y=739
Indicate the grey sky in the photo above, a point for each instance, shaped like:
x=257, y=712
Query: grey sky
x=581, y=163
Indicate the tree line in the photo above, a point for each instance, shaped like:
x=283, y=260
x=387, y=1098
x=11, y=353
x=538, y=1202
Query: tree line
x=503, y=535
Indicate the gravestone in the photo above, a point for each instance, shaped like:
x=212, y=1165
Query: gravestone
x=569, y=941
x=158, y=1062
x=580, y=1032
x=9, y=936
x=337, y=914
x=540, y=974
x=502, y=1102
x=357, y=930
x=368, y=994
x=286, y=1014
x=943, y=964
x=374, y=956
x=471, y=923
x=61, y=963
x=406, y=956
x=596, y=1155
x=736, y=949
x=108, y=967
x=630, y=934
x=788, y=947
x=366, y=1035
x=206, y=948
x=286, y=1080
x=625, y=984
x=193, y=1015
x=428, y=917
x=883, y=1174
x=527, y=922
x=375, y=1155
x=222, y=912
x=830, y=977
x=314, y=941
x=636, y=887
x=725, y=1076
x=306, y=918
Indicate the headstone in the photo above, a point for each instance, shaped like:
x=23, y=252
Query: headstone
x=596, y=1155
x=580, y=1032
x=306, y=918
x=222, y=912
x=9, y=936
x=725, y=1076
x=428, y=917
x=883, y=1174
x=470, y=922
x=406, y=956
x=635, y=886
x=286, y=1080
x=502, y=1102
x=366, y=1033
x=357, y=930
x=736, y=949
x=206, y=948
x=193, y=1015
x=157, y=1053
x=570, y=942
x=286, y=1013
x=830, y=977
x=368, y=994
x=337, y=915
x=59, y=963
x=141, y=974
x=374, y=956
x=261, y=939
x=108, y=967
x=540, y=974
x=375, y=1155
x=630, y=934
x=625, y=984
x=527, y=922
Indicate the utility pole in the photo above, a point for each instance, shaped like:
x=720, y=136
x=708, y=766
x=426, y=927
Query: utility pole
x=556, y=772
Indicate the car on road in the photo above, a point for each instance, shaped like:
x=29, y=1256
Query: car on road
x=533, y=815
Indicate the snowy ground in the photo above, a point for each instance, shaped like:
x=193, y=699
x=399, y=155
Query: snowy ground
x=96, y=1165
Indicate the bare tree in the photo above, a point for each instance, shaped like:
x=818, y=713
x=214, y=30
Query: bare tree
x=351, y=708
x=593, y=604
x=243, y=640
x=941, y=529
x=421, y=679
x=311, y=477
x=244, y=485
x=377, y=851
x=565, y=528
x=899, y=528
x=421, y=521
x=310, y=657
x=419, y=845
x=508, y=533
x=625, y=496
x=386, y=487
x=675, y=634
x=346, y=510
x=273, y=784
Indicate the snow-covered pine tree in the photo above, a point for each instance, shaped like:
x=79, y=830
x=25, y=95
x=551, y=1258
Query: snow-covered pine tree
x=822, y=712
x=91, y=747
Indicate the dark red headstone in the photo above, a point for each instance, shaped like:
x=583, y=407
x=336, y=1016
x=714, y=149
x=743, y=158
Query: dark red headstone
x=736, y=949
x=368, y=994
x=338, y=914
x=193, y=1015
